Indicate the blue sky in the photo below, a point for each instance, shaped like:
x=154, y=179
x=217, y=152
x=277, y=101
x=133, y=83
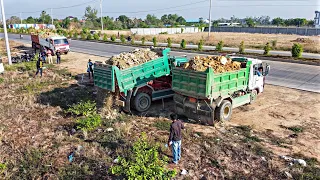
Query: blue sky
x=190, y=9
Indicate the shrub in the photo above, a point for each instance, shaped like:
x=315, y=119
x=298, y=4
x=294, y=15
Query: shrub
x=183, y=44
x=154, y=40
x=200, y=45
x=143, y=40
x=122, y=38
x=89, y=37
x=75, y=35
x=70, y=34
x=182, y=30
x=267, y=49
x=105, y=37
x=169, y=42
x=89, y=122
x=219, y=46
x=297, y=50
x=65, y=34
x=241, y=48
x=83, y=108
x=85, y=30
x=1, y=80
x=99, y=33
x=163, y=33
x=83, y=36
x=132, y=41
x=113, y=38
x=96, y=37
x=274, y=44
x=142, y=162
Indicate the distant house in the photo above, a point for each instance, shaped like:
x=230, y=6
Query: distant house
x=317, y=20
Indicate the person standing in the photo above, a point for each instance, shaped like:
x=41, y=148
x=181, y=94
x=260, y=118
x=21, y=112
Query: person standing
x=49, y=54
x=39, y=67
x=175, y=137
x=43, y=55
x=90, y=69
x=58, y=53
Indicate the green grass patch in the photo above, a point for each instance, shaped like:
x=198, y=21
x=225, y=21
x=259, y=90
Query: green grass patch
x=296, y=129
x=252, y=139
x=24, y=66
x=162, y=125
x=89, y=123
x=1, y=80
x=63, y=72
x=36, y=86
x=84, y=108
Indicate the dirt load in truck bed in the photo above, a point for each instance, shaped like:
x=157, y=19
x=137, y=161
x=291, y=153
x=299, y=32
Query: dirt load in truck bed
x=219, y=64
x=135, y=57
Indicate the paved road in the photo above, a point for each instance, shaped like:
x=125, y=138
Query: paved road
x=292, y=75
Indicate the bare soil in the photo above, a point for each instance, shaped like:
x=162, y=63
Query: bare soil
x=36, y=135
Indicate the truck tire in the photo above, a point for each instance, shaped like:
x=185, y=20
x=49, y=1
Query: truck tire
x=224, y=111
x=142, y=102
x=253, y=96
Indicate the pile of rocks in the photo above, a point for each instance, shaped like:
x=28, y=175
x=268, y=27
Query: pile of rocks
x=219, y=64
x=129, y=59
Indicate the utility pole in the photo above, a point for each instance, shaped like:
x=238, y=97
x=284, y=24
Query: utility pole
x=209, y=19
x=5, y=32
x=101, y=15
x=20, y=19
x=51, y=17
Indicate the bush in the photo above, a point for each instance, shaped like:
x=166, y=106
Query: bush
x=89, y=37
x=96, y=37
x=200, y=45
x=267, y=49
x=297, y=50
x=274, y=44
x=142, y=162
x=85, y=30
x=219, y=46
x=169, y=42
x=83, y=108
x=70, y=34
x=163, y=33
x=183, y=44
x=105, y=37
x=113, y=38
x=89, y=122
x=122, y=38
x=75, y=35
x=83, y=36
x=154, y=40
x=241, y=48
x=65, y=34
x=143, y=40
x=182, y=30
x=132, y=41
x=99, y=33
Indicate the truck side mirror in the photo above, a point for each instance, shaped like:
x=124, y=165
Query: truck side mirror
x=267, y=70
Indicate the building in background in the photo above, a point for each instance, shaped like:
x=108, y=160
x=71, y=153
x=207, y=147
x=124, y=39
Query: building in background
x=35, y=26
x=317, y=20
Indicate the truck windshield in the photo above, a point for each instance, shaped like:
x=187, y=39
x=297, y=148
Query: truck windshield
x=61, y=41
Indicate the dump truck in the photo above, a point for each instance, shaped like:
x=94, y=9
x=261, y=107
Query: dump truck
x=53, y=43
x=208, y=96
x=139, y=85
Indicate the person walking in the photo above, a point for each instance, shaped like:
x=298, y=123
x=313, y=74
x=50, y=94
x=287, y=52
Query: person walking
x=175, y=137
x=39, y=65
x=49, y=54
x=43, y=55
x=90, y=69
x=58, y=53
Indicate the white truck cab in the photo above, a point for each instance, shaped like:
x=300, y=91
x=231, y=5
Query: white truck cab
x=258, y=71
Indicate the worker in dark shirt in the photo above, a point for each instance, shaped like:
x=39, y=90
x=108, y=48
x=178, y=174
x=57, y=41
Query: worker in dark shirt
x=90, y=69
x=175, y=137
x=58, y=53
x=39, y=67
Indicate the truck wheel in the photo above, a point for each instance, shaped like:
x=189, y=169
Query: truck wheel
x=253, y=96
x=224, y=111
x=142, y=102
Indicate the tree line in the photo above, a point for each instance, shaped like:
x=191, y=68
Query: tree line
x=92, y=21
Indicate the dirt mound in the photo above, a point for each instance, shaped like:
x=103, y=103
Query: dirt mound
x=303, y=40
x=135, y=57
x=219, y=64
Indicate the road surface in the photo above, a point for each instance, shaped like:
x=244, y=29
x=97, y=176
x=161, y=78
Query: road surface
x=292, y=75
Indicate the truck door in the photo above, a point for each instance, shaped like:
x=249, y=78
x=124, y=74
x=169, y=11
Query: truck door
x=257, y=82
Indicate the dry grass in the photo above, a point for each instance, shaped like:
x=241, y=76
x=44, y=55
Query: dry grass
x=256, y=41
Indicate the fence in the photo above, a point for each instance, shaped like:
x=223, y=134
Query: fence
x=155, y=31
x=268, y=30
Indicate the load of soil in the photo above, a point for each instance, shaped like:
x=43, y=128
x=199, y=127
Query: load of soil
x=219, y=64
x=135, y=57
x=45, y=35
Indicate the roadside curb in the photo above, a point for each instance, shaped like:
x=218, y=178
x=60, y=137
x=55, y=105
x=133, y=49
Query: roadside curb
x=211, y=53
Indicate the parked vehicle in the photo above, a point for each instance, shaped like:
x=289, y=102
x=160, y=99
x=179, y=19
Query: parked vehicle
x=1, y=66
x=139, y=85
x=208, y=96
x=53, y=43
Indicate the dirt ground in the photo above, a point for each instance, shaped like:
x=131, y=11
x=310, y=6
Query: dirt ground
x=36, y=135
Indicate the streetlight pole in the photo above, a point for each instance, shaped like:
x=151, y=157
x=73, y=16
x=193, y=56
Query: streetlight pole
x=5, y=32
x=20, y=19
x=209, y=19
x=51, y=17
x=101, y=15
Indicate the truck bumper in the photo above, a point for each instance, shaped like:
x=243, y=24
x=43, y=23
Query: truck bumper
x=200, y=110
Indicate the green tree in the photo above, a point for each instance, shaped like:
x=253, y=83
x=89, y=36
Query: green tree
x=143, y=161
x=278, y=21
x=180, y=20
x=13, y=20
x=250, y=22
x=44, y=18
x=30, y=20
x=66, y=22
x=90, y=14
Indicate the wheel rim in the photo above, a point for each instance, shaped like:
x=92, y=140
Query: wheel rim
x=226, y=111
x=143, y=103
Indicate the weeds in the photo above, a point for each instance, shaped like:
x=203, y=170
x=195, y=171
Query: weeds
x=89, y=37
x=83, y=108
x=143, y=40
x=3, y=167
x=274, y=44
x=183, y=44
x=154, y=40
x=122, y=38
x=24, y=66
x=241, y=47
x=219, y=46
x=113, y=38
x=143, y=162
x=74, y=171
x=162, y=125
x=200, y=45
x=105, y=37
x=1, y=80
x=169, y=41
x=267, y=49
x=96, y=37
x=89, y=123
x=297, y=50
x=296, y=129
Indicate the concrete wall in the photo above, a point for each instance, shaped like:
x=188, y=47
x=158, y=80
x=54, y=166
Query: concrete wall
x=155, y=31
x=268, y=30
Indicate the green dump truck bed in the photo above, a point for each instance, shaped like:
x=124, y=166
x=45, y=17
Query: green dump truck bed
x=110, y=77
x=207, y=84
